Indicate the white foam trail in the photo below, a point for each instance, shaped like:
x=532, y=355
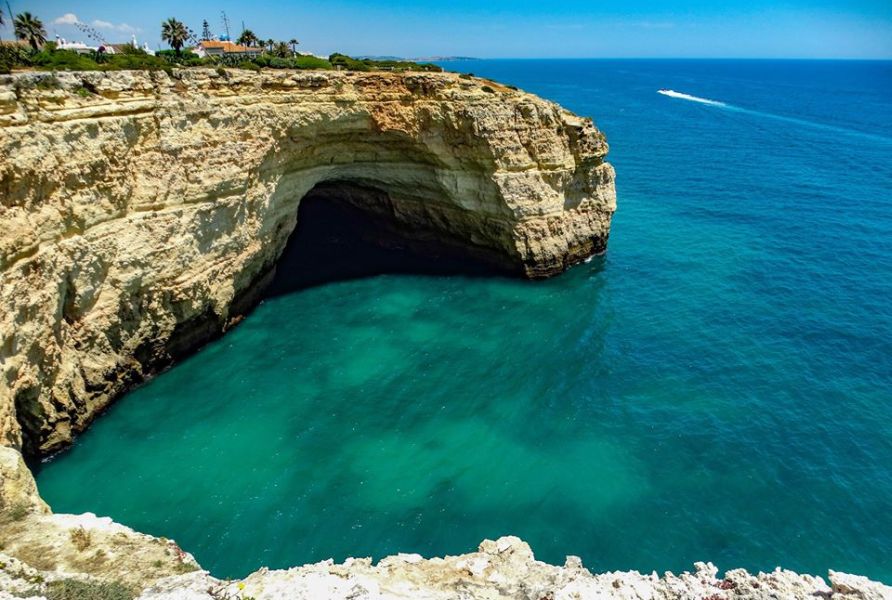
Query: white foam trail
x=680, y=96
x=767, y=115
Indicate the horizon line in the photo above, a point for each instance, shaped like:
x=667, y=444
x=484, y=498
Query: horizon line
x=456, y=58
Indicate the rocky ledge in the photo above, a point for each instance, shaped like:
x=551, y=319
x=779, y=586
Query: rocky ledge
x=141, y=212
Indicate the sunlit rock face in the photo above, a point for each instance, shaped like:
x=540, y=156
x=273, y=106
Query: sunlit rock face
x=141, y=213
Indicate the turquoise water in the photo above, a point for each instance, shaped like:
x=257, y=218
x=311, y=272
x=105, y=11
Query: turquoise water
x=718, y=387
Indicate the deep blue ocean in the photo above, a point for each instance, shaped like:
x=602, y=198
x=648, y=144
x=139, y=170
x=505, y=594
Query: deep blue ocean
x=717, y=387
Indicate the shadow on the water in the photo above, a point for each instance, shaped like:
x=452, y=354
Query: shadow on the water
x=336, y=241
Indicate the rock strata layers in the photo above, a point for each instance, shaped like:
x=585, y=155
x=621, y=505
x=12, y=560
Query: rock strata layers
x=140, y=212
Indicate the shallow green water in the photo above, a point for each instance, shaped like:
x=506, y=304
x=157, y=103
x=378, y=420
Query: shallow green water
x=716, y=388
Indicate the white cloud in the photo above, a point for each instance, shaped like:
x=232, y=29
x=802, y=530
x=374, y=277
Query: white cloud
x=123, y=27
x=67, y=19
x=72, y=19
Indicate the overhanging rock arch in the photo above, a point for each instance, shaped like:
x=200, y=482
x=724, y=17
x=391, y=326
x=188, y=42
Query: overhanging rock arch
x=144, y=219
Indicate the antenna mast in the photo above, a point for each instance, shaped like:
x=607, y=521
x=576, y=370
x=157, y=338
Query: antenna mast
x=226, y=25
x=11, y=19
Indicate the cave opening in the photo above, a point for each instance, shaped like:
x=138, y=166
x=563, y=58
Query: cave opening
x=348, y=230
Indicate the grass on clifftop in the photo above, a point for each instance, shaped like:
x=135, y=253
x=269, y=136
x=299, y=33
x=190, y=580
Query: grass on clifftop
x=49, y=58
x=69, y=589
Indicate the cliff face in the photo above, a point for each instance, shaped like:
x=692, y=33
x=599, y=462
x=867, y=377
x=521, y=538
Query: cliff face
x=140, y=213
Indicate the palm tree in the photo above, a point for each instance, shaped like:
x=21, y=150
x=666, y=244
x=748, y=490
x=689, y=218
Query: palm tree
x=247, y=38
x=174, y=33
x=269, y=44
x=281, y=50
x=30, y=28
x=293, y=42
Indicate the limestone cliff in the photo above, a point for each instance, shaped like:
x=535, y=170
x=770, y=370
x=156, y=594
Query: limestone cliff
x=141, y=212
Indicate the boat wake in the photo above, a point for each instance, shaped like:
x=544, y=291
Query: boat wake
x=680, y=96
x=767, y=115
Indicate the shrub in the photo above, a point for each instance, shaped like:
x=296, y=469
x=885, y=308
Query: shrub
x=131, y=58
x=353, y=64
x=81, y=538
x=14, y=55
x=344, y=61
x=136, y=61
x=64, y=60
x=68, y=589
x=488, y=89
x=467, y=76
x=311, y=62
x=184, y=567
x=171, y=56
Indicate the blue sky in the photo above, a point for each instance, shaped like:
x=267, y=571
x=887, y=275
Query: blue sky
x=512, y=28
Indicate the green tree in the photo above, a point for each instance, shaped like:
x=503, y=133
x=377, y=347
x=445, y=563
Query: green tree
x=175, y=34
x=205, y=30
x=247, y=38
x=293, y=43
x=29, y=28
x=281, y=50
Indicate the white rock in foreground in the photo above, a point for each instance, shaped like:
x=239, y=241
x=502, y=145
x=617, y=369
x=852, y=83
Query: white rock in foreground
x=506, y=568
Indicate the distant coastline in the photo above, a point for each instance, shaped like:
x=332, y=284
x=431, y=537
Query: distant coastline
x=420, y=58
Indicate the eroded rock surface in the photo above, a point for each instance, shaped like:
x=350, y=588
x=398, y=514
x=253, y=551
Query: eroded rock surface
x=140, y=212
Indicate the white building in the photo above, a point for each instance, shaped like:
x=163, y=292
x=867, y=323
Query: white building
x=79, y=47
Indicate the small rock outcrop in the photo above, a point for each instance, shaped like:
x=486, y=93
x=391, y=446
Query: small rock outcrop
x=141, y=212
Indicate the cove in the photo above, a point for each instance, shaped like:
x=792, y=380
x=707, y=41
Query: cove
x=715, y=388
